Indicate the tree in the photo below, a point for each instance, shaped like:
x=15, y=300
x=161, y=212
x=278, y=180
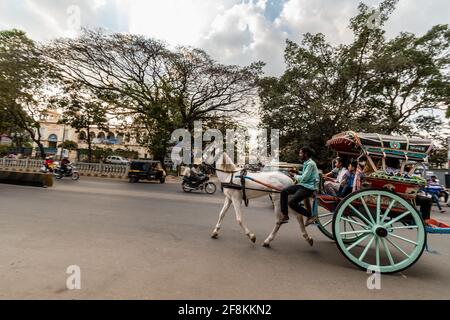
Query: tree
x=82, y=111
x=439, y=158
x=372, y=84
x=23, y=78
x=159, y=89
x=69, y=145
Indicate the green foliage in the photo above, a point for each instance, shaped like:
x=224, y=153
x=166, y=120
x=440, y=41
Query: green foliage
x=82, y=110
x=23, y=75
x=370, y=85
x=69, y=145
x=438, y=159
x=5, y=150
x=160, y=89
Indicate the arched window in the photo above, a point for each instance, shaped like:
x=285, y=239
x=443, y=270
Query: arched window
x=111, y=136
x=52, y=141
x=101, y=136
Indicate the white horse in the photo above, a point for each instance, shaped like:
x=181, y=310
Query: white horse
x=226, y=167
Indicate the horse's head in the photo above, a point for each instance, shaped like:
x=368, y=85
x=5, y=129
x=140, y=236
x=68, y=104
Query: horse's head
x=220, y=160
x=225, y=163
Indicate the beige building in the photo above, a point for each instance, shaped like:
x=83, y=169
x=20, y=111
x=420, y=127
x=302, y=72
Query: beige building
x=53, y=134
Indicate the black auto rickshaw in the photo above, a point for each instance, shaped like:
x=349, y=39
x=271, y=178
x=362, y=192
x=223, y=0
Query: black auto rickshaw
x=146, y=170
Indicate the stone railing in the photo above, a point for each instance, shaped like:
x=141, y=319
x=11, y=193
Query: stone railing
x=85, y=169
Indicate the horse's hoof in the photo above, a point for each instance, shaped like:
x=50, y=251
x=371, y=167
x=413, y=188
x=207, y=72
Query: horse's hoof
x=310, y=241
x=266, y=245
x=252, y=238
x=215, y=236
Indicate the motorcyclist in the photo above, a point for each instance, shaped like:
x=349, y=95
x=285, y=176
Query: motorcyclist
x=434, y=188
x=48, y=163
x=65, y=163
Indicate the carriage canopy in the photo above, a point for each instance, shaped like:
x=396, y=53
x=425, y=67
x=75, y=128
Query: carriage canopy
x=381, y=146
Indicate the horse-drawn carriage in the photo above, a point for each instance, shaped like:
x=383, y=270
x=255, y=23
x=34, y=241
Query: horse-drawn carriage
x=379, y=226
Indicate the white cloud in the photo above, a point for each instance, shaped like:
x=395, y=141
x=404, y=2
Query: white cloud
x=175, y=21
x=243, y=34
x=232, y=31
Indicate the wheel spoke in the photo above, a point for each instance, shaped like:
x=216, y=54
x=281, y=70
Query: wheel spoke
x=360, y=215
x=378, y=210
x=364, y=253
x=391, y=205
x=326, y=215
x=397, y=219
x=356, y=232
x=398, y=248
x=404, y=239
x=357, y=242
x=388, y=252
x=326, y=224
x=355, y=222
x=367, y=210
x=377, y=248
x=351, y=226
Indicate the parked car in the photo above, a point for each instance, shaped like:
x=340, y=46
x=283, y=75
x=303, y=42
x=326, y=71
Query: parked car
x=116, y=160
x=146, y=170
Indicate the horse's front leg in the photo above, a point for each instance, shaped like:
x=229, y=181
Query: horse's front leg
x=301, y=221
x=277, y=210
x=237, y=203
x=222, y=214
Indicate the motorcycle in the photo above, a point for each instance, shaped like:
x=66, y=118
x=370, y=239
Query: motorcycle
x=203, y=184
x=70, y=172
x=443, y=194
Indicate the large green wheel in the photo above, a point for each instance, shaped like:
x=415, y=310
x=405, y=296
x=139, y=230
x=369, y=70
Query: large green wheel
x=391, y=233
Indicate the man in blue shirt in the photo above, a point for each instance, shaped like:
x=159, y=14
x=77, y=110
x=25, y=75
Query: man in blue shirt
x=307, y=184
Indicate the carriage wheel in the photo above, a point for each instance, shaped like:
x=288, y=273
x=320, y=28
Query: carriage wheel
x=325, y=222
x=325, y=225
x=391, y=233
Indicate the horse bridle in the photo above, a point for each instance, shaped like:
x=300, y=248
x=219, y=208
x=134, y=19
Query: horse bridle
x=243, y=173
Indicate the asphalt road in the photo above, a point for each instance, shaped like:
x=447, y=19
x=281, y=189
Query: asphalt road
x=151, y=241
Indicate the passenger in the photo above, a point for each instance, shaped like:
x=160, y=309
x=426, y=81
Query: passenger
x=359, y=176
x=335, y=178
x=192, y=173
x=306, y=186
x=49, y=163
x=349, y=179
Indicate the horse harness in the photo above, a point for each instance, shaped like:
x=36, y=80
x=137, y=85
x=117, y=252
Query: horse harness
x=243, y=177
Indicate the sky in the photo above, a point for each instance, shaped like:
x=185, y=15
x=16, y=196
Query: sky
x=231, y=31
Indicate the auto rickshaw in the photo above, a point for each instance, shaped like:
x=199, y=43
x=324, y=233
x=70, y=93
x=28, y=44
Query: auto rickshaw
x=150, y=170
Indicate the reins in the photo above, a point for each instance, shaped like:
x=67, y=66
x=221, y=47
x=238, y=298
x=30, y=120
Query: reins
x=243, y=177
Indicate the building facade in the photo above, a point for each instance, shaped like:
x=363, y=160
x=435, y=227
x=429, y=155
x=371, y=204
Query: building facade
x=53, y=134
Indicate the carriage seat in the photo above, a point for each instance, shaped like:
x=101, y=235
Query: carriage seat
x=329, y=199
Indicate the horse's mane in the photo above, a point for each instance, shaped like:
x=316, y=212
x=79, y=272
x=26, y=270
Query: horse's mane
x=225, y=163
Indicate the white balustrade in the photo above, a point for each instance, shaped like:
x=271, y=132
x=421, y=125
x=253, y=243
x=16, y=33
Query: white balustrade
x=95, y=169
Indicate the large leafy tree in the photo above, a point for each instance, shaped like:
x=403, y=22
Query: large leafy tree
x=83, y=111
x=371, y=84
x=23, y=78
x=151, y=86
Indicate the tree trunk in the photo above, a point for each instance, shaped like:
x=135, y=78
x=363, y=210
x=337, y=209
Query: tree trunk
x=89, y=145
